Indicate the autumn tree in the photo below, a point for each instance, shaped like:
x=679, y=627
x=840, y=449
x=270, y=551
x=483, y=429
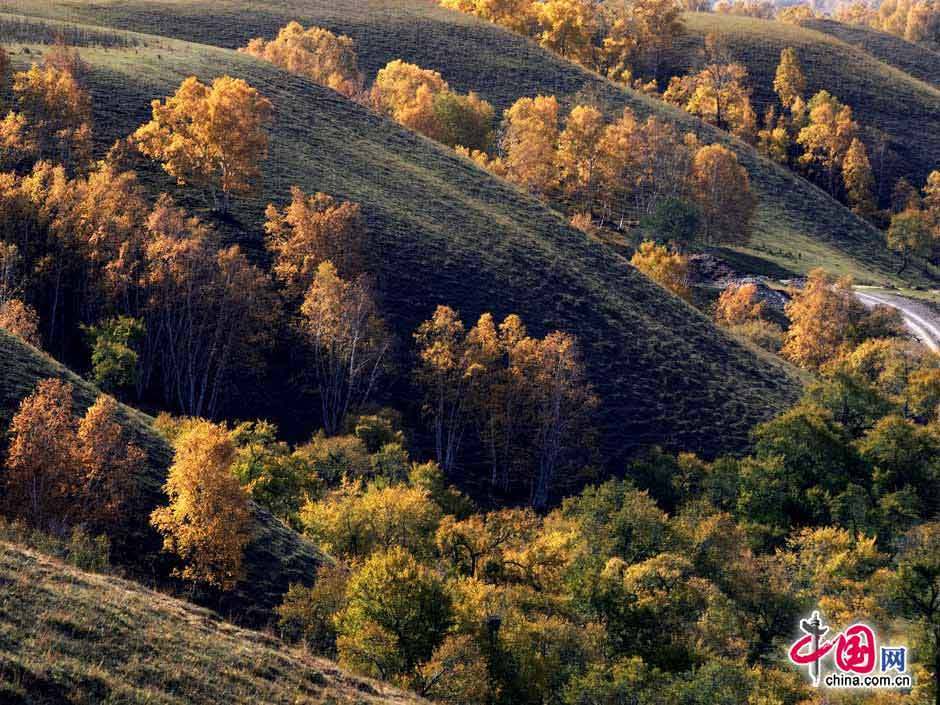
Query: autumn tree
x=910, y=235
x=62, y=471
x=568, y=27
x=563, y=404
x=737, y=304
x=858, y=180
x=57, y=113
x=41, y=470
x=668, y=269
x=421, y=100
x=579, y=154
x=6, y=71
x=516, y=15
x=110, y=463
x=348, y=339
x=718, y=93
x=354, y=521
x=213, y=137
x=443, y=371
x=207, y=523
x=21, y=320
x=822, y=315
x=639, y=35
x=310, y=230
x=529, y=143
x=316, y=53
x=205, y=310
x=722, y=190
x=789, y=81
x=827, y=137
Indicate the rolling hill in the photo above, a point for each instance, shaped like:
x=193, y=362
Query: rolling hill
x=883, y=97
x=276, y=555
x=917, y=60
x=445, y=232
x=68, y=637
x=798, y=226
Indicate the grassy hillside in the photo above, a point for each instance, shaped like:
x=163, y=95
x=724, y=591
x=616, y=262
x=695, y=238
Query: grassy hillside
x=276, y=556
x=882, y=97
x=444, y=232
x=915, y=59
x=798, y=227
x=68, y=637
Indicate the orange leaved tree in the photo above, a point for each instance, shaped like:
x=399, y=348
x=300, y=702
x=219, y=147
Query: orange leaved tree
x=213, y=137
x=208, y=521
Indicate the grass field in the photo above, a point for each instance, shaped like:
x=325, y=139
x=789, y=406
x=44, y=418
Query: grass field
x=444, y=232
x=275, y=557
x=883, y=97
x=915, y=59
x=68, y=637
x=798, y=226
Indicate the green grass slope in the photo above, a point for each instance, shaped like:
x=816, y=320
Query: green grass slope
x=276, y=556
x=445, y=232
x=882, y=97
x=798, y=227
x=69, y=637
x=917, y=60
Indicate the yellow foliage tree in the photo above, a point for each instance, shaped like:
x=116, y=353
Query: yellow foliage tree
x=421, y=100
x=723, y=191
x=214, y=137
x=579, y=154
x=668, y=269
x=316, y=53
x=827, y=137
x=208, y=521
x=719, y=95
x=822, y=315
x=568, y=27
x=738, y=303
x=57, y=114
x=310, y=230
x=530, y=143
x=516, y=15
x=348, y=339
x=21, y=320
x=858, y=179
x=789, y=81
x=355, y=522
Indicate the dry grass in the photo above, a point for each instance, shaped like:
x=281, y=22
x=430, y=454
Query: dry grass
x=72, y=638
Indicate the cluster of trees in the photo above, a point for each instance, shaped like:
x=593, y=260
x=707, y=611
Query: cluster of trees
x=624, y=171
x=527, y=398
x=718, y=93
x=317, y=53
x=62, y=470
x=422, y=100
x=914, y=20
x=914, y=231
x=681, y=584
x=623, y=40
x=419, y=99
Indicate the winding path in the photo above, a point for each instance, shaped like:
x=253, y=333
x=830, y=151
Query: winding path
x=920, y=320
